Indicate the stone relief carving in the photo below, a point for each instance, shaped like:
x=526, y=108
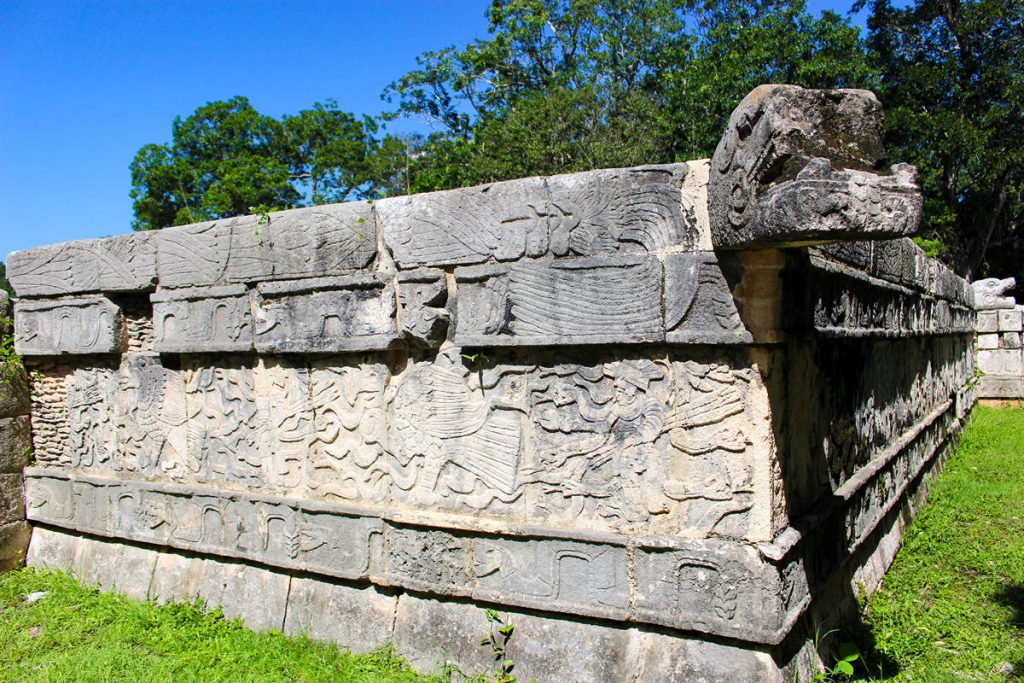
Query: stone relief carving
x=112, y=264
x=422, y=295
x=92, y=433
x=989, y=293
x=202, y=319
x=151, y=415
x=75, y=325
x=699, y=307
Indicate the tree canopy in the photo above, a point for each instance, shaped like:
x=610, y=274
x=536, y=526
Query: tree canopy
x=566, y=85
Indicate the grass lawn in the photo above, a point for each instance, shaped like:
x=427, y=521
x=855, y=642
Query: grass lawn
x=79, y=634
x=951, y=607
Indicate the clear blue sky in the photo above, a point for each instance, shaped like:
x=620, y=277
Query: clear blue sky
x=83, y=85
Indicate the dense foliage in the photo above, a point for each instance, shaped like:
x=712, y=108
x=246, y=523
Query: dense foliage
x=567, y=85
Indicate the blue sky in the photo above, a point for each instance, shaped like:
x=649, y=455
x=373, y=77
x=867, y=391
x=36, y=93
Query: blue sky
x=83, y=85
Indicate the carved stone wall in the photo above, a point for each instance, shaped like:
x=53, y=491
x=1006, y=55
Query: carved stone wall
x=563, y=397
x=1000, y=323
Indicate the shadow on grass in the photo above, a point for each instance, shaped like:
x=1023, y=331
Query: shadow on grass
x=1012, y=596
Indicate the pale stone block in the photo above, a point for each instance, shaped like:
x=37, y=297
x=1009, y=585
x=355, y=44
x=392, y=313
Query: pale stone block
x=176, y=578
x=616, y=299
x=203, y=319
x=75, y=325
x=429, y=632
x=988, y=341
x=256, y=595
x=359, y=619
x=112, y=264
x=1010, y=320
x=988, y=321
x=1001, y=386
x=115, y=567
x=670, y=658
x=1009, y=340
x=12, y=498
x=325, y=315
x=1001, y=362
x=52, y=549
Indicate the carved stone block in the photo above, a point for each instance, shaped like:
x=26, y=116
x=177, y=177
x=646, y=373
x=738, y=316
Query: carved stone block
x=699, y=307
x=113, y=264
x=582, y=578
x=989, y=293
x=422, y=295
x=76, y=325
x=988, y=321
x=358, y=617
x=308, y=242
x=325, y=315
x=1001, y=362
x=202, y=319
x=615, y=299
x=988, y=341
x=796, y=166
x=1010, y=320
x=583, y=214
x=431, y=560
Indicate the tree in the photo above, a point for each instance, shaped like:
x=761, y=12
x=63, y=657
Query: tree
x=565, y=85
x=953, y=89
x=227, y=159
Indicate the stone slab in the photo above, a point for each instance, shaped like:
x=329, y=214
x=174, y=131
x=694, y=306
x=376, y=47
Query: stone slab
x=309, y=242
x=1010, y=320
x=12, y=498
x=73, y=325
x=115, y=567
x=668, y=657
x=256, y=595
x=359, y=618
x=52, y=549
x=325, y=315
x=113, y=264
x=988, y=341
x=1009, y=340
x=422, y=299
x=1001, y=362
x=15, y=443
x=582, y=214
x=202, y=320
x=988, y=321
x=607, y=300
x=699, y=306
x=1001, y=386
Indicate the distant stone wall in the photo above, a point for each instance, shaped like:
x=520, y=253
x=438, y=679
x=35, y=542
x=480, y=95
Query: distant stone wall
x=657, y=429
x=15, y=448
x=1000, y=323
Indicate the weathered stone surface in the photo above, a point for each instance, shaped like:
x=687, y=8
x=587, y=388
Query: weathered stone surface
x=422, y=295
x=1010, y=321
x=203, y=319
x=52, y=549
x=671, y=658
x=115, y=567
x=15, y=397
x=699, y=308
x=325, y=315
x=315, y=241
x=797, y=166
x=1009, y=340
x=540, y=303
x=583, y=214
x=988, y=341
x=989, y=293
x=14, y=539
x=360, y=618
x=112, y=264
x=255, y=595
x=12, y=498
x=15, y=443
x=73, y=325
x=1001, y=386
x=988, y=321
x=1001, y=362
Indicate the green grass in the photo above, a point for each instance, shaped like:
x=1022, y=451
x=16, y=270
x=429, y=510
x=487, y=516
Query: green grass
x=952, y=606
x=80, y=634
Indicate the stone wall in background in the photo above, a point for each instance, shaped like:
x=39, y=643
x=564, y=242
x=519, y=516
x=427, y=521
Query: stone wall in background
x=15, y=449
x=1000, y=322
x=659, y=430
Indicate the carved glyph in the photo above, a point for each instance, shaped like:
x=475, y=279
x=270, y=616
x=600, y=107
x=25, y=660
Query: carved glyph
x=74, y=325
x=990, y=293
x=202, y=320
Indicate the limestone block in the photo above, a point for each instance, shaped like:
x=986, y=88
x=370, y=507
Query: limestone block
x=176, y=578
x=1001, y=386
x=115, y=567
x=989, y=293
x=310, y=242
x=15, y=443
x=52, y=549
x=560, y=575
x=1009, y=340
x=429, y=633
x=14, y=540
x=1010, y=320
x=614, y=299
x=422, y=295
x=202, y=319
x=668, y=657
x=358, y=618
x=112, y=264
x=896, y=261
x=582, y=214
x=1001, y=362
x=717, y=587
x=797, y=166
x=12, y=498
x=256, y=595
x=856, y=254
x=699, y=307
x=428, y=560
x=988, y=321
x=988, y=341
x=74, y=325
x=325, y=315
x=14, y=391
